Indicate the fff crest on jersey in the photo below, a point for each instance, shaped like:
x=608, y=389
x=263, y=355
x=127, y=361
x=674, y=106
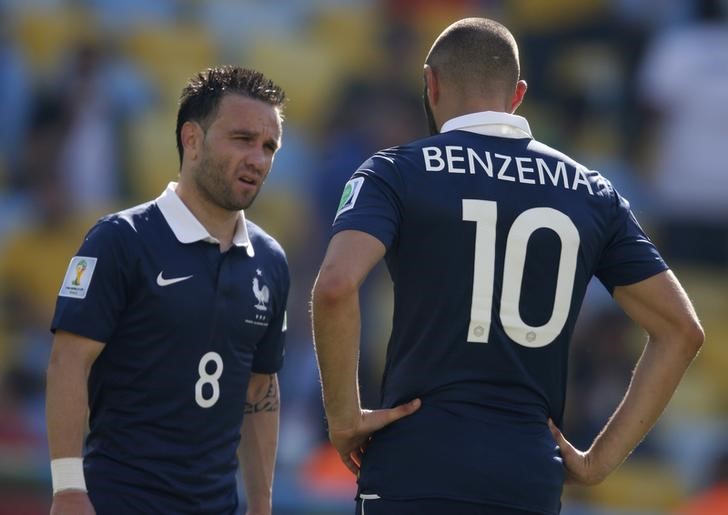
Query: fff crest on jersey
x=262, y=293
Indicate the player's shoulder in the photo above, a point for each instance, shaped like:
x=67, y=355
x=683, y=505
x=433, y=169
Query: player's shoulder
x=263, y=242
x=599, y=185
x=381, y=161
x=124, y=224
x=542, y=149
x=406, y=153
x=133, y=217
x=392, y=163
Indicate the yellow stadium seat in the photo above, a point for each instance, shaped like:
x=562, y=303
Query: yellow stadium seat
x=45, y=36
x=153, y=160
x=171, y=54
x=431, y=17
x=349, y=35
x=552, y=15
x=309, y=75
x=286, y=215
x=708, y=290
x=703, y=393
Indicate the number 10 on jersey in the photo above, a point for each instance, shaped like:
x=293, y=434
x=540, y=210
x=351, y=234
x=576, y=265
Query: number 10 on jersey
x=485, y=215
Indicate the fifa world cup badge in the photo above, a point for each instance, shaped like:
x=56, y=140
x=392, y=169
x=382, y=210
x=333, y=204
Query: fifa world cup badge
x=78, y=277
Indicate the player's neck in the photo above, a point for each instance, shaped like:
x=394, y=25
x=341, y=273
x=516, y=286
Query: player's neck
x=219, y=222
x=469, y=106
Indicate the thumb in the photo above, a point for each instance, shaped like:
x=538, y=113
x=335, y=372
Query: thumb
x=558, y=436
x=408, y=408
x=564, y=445
x=384, y=417
x=555, y=432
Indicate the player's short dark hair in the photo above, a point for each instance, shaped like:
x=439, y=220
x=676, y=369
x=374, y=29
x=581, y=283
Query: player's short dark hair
x=201, y=95
x=476, y=54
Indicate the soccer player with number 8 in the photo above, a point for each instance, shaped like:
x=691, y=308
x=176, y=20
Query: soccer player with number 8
x=170, y=325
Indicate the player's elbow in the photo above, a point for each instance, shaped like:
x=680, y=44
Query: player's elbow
x=333, y=286
x=693, y=335
x=262, y=386
x=688, y=336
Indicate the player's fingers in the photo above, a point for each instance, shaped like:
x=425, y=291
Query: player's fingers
x=384, y=417
x=356, y=457
x=404, y=410
x=558, y=436
x=563, y=447
x=573, y=458
x=353, y=468
x=568, y=452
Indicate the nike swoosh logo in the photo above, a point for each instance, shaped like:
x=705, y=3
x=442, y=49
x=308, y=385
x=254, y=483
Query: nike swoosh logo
x=161, y=281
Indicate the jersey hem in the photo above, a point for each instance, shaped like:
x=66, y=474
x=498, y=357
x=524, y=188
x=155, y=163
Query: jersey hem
x=646, y=274
x=487, y=502
x=77, y=330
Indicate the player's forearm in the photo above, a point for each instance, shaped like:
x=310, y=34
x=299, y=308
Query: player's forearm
x=66, y=407
x=258, y=444
x=656, y=376
x=336, y=325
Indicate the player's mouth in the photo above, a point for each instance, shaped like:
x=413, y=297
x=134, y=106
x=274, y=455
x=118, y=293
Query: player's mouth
x=248, y=182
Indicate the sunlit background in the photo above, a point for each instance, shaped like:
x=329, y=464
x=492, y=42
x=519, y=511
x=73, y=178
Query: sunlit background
x=637, y=89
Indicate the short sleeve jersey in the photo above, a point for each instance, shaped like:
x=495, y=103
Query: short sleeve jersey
x=491, y=238
x=184, y=325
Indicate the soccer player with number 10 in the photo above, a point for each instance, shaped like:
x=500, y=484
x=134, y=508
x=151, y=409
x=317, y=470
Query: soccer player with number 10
x=490, y=238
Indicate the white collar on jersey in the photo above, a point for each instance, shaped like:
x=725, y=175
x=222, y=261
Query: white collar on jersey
x=188, y=229
x=490, y=123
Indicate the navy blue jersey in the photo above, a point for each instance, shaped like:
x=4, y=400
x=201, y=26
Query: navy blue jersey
x=491, y=240
x=184, y=325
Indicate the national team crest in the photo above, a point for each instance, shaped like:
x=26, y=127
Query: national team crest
x=78, y=277
x=350, y=194
x=262, y=293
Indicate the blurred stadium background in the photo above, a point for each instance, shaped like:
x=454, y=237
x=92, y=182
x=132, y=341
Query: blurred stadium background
x=635, y=88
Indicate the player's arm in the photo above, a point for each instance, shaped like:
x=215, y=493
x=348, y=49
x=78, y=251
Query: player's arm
x=259, y=441
x=662, y=308
x=66, y=417
x=350, y=257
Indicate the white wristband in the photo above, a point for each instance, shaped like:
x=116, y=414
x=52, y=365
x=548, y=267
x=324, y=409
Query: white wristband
x=67, y=474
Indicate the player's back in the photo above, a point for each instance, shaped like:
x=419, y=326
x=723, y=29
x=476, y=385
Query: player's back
x=489, y=272
x=491, y=242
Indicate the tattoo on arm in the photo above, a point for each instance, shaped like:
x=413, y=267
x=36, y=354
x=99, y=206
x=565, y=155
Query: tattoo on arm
x=269, y=401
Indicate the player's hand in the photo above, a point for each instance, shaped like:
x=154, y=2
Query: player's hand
x=579, y=465
x=350, y=442
x=72, y=502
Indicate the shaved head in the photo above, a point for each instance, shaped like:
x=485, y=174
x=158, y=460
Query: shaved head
x=476, y=56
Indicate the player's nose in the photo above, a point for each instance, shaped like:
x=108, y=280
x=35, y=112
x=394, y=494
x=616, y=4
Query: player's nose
x=258, y=160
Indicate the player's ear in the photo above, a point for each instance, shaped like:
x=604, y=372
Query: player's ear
x=518, y=95
x=432, y=86
x=191, y=135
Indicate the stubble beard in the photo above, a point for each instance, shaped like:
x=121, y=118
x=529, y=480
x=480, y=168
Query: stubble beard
x=210, y=180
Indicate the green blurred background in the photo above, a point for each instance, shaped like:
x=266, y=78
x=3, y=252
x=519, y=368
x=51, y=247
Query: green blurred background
x=637, y=89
